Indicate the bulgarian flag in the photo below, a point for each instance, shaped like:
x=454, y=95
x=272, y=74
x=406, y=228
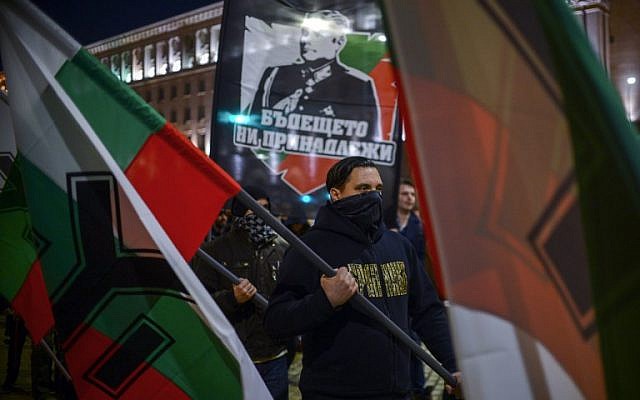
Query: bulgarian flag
x=118, y=199
x=531, y=174
x=21, y=280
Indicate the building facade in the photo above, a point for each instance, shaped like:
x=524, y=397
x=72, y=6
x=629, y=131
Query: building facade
x=171, y=65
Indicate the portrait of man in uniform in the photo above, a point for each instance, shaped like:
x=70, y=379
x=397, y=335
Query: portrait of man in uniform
x=318, y=84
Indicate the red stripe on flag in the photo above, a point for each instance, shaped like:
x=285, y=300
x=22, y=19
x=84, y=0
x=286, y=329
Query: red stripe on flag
x=183, y=188
x=87, y=350
x=427, y=224
x=33, y=305
x=521, y=292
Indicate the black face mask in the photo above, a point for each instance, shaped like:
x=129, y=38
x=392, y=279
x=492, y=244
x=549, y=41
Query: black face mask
x=364, y=210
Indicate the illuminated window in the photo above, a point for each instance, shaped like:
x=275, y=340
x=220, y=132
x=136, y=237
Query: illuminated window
x=126, y=66
x=162, y=63
x=200, y=141
x=200, y=113
x=188, y=52
x=115, y=65
x=175, y=54
x=137, y=59
x=215, y=40
x=149, y=61
x=202, y=46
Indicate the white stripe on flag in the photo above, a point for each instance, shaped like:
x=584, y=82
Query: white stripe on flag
x=494, y=353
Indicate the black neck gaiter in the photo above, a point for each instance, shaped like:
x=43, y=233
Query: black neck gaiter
x=364, y=210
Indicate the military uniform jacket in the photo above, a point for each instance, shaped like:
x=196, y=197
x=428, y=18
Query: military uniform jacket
x=331, y=90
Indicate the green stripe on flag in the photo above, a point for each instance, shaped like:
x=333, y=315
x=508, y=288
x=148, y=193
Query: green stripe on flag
x=16, y=247
x=17, y=251
x=215, y=370
x=196, y=369
x=121, y=119
x=607, y=158
x=51, y=219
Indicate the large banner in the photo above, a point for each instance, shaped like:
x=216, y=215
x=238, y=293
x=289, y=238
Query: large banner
x=298, y=88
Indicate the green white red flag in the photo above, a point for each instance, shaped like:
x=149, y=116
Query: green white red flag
x=532, y=178
x=21, y=281
x=118, y=199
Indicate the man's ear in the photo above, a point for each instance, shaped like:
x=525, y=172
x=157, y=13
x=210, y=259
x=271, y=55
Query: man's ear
x=334, y=194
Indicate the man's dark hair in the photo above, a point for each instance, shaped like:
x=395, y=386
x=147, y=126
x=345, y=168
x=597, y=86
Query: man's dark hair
x=407, y=181
x=339, y=172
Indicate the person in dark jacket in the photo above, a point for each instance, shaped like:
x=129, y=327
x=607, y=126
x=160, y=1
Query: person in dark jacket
x=403, y=219
x=345, y=353
x=253, y=252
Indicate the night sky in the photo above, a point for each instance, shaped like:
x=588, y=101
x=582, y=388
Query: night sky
x=89, y=21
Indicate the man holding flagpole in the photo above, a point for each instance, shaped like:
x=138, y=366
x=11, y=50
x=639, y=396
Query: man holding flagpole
x=252, y=251
x=345, y=354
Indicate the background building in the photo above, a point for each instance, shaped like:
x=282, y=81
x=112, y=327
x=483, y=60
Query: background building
x=613, y=28
x=171, y=64
x=625, y=54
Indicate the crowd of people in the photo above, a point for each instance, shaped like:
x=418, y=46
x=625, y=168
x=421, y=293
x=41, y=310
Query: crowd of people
x=379, y=254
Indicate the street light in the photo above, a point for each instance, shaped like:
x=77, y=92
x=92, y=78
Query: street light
x=631, y=80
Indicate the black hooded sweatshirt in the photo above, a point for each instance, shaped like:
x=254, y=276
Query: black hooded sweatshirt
x=346, y=354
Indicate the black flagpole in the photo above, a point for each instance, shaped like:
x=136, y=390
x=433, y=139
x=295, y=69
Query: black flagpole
x=364, y=305
x=257, y=298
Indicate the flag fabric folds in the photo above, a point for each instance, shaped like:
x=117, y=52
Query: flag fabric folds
x=118, y=199
x=21, y=280
x=532, y=177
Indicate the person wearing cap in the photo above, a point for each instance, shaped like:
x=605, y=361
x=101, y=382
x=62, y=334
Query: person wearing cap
x=251, y=250
x=318, y=86
x=346, y=354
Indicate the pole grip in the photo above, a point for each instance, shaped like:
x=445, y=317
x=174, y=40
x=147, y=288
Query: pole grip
x=257, y=298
